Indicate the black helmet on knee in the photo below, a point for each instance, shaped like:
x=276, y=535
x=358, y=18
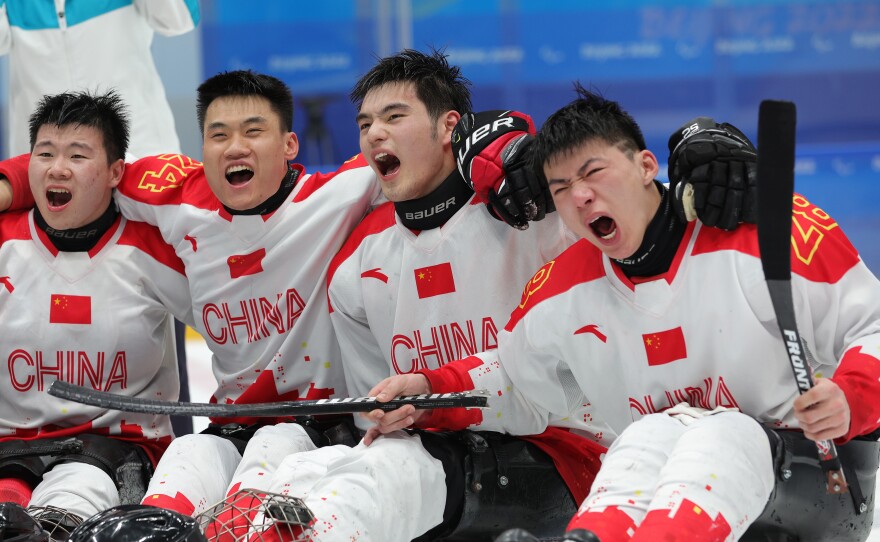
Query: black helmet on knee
x=137, y=522
x=16, y=525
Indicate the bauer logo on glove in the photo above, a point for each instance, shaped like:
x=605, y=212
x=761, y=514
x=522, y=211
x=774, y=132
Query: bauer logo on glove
x=492, y=150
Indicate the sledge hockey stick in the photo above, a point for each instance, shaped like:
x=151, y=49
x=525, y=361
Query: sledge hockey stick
x=318, y=407
x=776, y=136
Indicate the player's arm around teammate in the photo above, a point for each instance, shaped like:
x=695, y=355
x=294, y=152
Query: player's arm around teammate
x=88, y=298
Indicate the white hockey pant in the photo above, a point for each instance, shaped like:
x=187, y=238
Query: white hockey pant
x=721, y=462
x=79, y=488
x=391, y=490
x=192, y=474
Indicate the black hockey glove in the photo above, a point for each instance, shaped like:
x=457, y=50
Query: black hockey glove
x=712, y=174
x=493, y=153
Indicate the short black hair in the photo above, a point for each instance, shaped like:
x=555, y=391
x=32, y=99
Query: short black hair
x=438, y=85
x=104, y=112
x=246, y=83
x=589, y=117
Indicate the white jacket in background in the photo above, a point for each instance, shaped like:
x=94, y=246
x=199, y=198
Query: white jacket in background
x=56, y=46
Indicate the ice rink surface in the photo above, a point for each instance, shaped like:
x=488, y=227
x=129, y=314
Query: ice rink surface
x=201, y=382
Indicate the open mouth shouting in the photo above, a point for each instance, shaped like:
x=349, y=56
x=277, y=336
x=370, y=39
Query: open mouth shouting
x=58, y=198
x=239, y=175
x=604, y=227
x=386, y=163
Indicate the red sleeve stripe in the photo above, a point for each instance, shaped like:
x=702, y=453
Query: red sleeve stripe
x=452, y=377
x=14, y=227
x=16, y=172
x=858, y=376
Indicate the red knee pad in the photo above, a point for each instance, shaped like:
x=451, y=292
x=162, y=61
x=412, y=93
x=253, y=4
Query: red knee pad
x=15, y=490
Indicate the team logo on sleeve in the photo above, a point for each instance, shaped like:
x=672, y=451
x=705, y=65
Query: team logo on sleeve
x=536, y=282
x=810, y=226
x=7, y=284
x=174, y=169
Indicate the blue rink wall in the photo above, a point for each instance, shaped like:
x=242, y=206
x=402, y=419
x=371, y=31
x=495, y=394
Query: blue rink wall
x=666, y=61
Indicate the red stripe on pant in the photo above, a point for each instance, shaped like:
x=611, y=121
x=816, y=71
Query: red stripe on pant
x=178, y=503
x=689, y=522
x=610, y=525
x=15, y=490
x=235, y=522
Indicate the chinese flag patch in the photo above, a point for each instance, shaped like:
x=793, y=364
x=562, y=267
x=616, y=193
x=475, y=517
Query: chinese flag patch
x=664, y=346
x=70, y=309
x=434, y=280
x=246, y=264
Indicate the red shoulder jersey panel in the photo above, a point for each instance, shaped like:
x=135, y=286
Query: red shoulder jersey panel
x=148, y=239
x=14, y=226
x=168, y=179
x=317, y=180
x=16, y=172
x=821, y=251
x=581, y=262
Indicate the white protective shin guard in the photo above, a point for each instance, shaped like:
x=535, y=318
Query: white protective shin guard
x=391, y=490
x=265, y=451
x=78, y=488
x=193, y=474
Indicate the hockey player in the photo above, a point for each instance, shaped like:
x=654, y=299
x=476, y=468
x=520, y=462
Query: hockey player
x=84, y=298
x=420, y=98
x=256, y=235
x=235, y=222
x=400, y=303
x=624, y=318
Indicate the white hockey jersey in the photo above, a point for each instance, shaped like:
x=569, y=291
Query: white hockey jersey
x=258, y=283
x=405, y=301
x=96, y=319
x=704, y=332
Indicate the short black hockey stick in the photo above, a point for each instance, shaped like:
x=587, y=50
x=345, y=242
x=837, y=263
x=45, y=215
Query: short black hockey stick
x=776, y=136
x=318, y=407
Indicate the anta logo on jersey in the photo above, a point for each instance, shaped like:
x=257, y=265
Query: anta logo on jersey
x=29, y=369
x=439, y=345
x=709, y=395
x=252, y=319
x=810, y=226
x=536, y=282
x=168, y=175
x=439, y=208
